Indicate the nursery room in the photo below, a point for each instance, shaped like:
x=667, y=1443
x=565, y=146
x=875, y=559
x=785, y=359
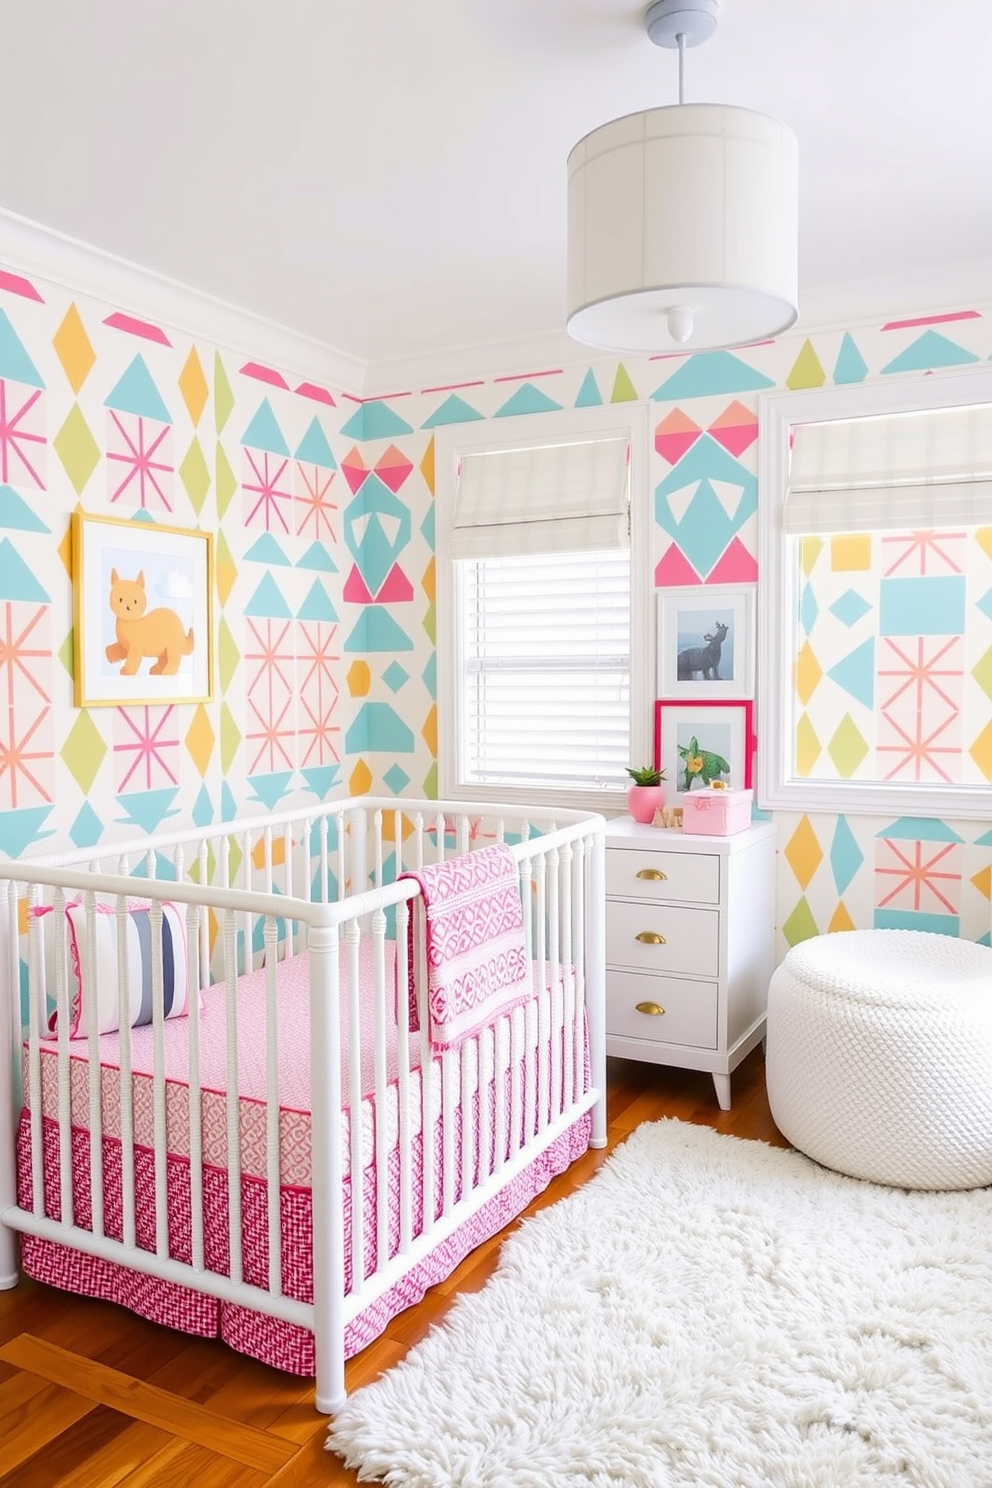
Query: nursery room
x=496, y=772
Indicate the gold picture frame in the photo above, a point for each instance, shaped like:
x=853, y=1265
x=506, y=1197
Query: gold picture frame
x=142, y=612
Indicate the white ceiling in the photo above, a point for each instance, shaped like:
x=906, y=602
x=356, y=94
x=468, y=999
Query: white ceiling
x=388, y=177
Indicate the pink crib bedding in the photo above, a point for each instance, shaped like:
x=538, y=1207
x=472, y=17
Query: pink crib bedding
x=278, y=1343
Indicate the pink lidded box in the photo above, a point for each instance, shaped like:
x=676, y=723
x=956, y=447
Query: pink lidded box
x=716, y=813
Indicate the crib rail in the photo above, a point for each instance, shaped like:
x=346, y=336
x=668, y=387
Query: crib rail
x=405, y=1142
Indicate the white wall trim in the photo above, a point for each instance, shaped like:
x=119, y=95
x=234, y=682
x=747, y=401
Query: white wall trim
x=38, y=252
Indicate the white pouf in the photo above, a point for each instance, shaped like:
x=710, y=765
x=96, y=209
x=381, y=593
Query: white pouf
x=879, y=1056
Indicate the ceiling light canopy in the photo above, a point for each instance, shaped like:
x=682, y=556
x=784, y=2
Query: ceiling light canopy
x=683, y=221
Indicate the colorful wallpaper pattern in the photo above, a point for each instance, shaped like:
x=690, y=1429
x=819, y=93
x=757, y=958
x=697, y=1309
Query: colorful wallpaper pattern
x=322, y=505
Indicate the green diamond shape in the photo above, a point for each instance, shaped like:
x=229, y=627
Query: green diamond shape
x=67, y=653
x=230, y=738
x=223, y=396
x=77, y=449
x=84, y=751
x=227, y=481
x=847, y=748
x=982, y=673
x=195, y=476
x=800, y=925
x=228, y=655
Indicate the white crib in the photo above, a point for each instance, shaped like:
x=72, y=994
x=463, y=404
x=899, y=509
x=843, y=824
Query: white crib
x=289, y=1163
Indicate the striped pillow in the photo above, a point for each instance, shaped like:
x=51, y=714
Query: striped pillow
x=140, y=927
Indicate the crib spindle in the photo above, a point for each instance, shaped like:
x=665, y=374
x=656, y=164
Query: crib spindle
x=128, y=1214
x=403, y=1071
x=159, y=1124
x=93, y=1064
x=270, y=941
x=193, y=920
x=356, y=1112
x=234, y=1226
x=382, y=1014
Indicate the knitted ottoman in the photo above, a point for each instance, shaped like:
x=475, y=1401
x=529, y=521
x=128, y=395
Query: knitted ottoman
x=879, y=1056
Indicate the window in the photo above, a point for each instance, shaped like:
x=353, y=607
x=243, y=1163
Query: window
x=875, y=599
x=540, y=670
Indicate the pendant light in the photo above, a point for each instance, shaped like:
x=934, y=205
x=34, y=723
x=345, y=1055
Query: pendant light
x=683, y=220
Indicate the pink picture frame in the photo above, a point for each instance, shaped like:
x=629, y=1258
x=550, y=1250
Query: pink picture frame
x=723, y=732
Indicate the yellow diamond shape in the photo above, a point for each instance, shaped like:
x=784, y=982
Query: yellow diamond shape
x=803, y=852
x=983, y=881
x=981, y=751
x=810, y=550
x=359, y=679
x=847, y=748
x=984, y=539
x=429, y=731
x=74, y=349
x=195, y=476
x=84, y=751
x=77, y=449
x=361, y=780
x=429, y=582
x=193, y=386
x=226, y=570
x=201, y=739
x=427, y=465
x=808, y=673
x=228, y=655
x=840, y=919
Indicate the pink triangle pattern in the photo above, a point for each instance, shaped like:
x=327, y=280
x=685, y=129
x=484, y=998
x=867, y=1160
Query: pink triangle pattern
x=736, y=428
x=736, y=566
x=396, y=588
x=265, y=374
x=355, y=469
x=392, y=468
x=674, y=570
x=15, y=284
x=674, y=435
x=355, y=590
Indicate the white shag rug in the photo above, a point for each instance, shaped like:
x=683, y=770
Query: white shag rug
x=705, y=1311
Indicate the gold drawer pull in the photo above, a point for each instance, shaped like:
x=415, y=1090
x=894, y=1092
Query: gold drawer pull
x=650, y=937
x=650, y=1007
x=655, y=874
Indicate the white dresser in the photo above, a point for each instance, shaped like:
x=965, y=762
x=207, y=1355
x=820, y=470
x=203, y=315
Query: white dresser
x=690, y=946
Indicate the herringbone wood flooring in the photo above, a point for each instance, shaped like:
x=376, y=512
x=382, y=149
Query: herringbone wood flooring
x=92, y=1397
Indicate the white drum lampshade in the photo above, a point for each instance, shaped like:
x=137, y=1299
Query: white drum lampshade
x=683, y=230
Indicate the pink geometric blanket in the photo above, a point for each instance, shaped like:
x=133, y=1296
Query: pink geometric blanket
x=477, y=962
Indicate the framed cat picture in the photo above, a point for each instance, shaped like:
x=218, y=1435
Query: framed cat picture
x=143, y=612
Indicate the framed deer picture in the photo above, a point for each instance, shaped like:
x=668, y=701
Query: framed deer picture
x=706, y=642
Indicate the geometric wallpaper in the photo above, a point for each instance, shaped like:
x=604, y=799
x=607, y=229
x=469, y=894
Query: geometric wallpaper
x=321, y=505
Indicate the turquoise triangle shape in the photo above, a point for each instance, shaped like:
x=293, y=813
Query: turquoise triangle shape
x=228, y=805
x=15, y=512
x=379, y=727
x=375, y=420
x=264, y=432
x=146, y=809
x=850, y=365
x=919, y=829
x=317, y=605
x=270, y=789
x=18, y=829
x=930, y=350
x=87, y=829
x=377, y=631
x=136, y=393
x=320, y=779
x=314, y=448
x=527, y=399
x=589, y=394
x=855, y=672
x=267, y=550
x=14, y=360
x=453, y=410
x=711, y=372
x=268, y=602
x=16, y=579
x=317, y=557
x=428, y=526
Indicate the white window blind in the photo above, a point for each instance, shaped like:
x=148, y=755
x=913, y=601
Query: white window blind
x=924, y=469
x=545, y=670
x=558, y=497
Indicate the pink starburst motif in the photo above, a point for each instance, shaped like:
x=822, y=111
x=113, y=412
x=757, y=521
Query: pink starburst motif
x=919, y=735
x=917, y=554
x=315, y=514
x=19, y=669
x=267, y=503
x=147, y=755
x=26, y=760
x=319, y=659
x=270, y=659
x=22, y=436
x=918, y=876
x=139, y=451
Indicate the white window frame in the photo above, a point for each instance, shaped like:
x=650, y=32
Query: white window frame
x=778, y=600
x=452, y=441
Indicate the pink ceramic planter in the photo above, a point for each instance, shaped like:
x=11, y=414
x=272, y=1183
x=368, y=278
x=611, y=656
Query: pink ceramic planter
x=644, y=800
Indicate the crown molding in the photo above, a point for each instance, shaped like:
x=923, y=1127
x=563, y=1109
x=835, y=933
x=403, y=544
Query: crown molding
x=483, y=362
x=40, y=252
x=943, y=289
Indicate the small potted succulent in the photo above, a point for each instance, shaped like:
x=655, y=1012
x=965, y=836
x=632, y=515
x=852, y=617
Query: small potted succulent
x=647, y=794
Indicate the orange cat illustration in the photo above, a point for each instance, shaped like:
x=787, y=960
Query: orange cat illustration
x=158, y=634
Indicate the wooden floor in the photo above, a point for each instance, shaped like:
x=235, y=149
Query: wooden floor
x=90, y=1395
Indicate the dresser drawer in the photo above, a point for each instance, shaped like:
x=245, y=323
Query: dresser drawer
x=689, y=1016
x=658, y=875
x=679, y=939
